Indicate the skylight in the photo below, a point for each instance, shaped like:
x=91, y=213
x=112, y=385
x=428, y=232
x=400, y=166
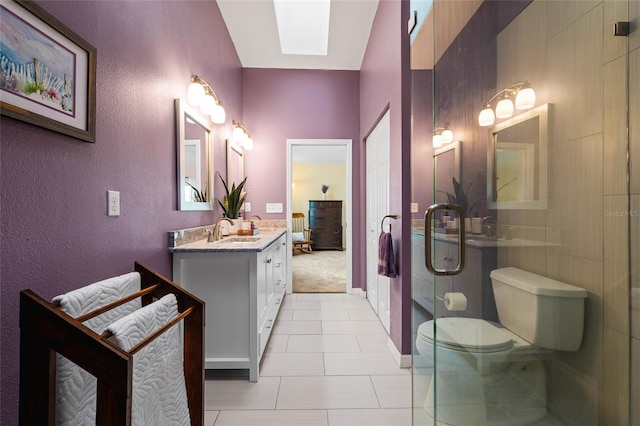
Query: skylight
x=303, y=26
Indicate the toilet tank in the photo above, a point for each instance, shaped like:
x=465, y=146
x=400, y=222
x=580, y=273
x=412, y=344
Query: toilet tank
x=545, y=312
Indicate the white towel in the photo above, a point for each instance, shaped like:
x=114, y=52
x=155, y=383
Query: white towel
x=159, y=391
x=76, y=388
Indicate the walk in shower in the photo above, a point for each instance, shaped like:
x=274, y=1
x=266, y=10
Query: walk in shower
x=526, y=212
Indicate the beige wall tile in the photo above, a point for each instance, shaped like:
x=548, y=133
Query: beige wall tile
x=521, y=45
x=561, y=14
x=587, y=274
x=615, y=127
x=635, y=384
x=614, y=47
x=575, y=205
x=616, y=263
x=634, y=114
x=634, y=15
x=615, y=391
x=635, y=265
x=575, y=77
x=572, y=397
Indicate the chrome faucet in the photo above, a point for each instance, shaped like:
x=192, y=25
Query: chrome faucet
x=217, y=231
x=490, y=225
x=255, y=215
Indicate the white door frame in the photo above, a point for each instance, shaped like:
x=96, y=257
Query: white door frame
x=348, y=144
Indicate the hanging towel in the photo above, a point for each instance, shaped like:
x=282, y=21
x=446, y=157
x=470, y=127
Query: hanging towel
x=386, y=259
x=159, y=390
x=75, y=387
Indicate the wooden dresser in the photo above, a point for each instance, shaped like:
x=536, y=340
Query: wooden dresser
x=325, y=221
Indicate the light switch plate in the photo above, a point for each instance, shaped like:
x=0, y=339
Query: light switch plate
x=414, y=207
x=247, y=207
x=274, y=208
x=113, y=203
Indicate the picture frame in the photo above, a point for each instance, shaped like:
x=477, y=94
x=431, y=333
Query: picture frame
x=47, y=72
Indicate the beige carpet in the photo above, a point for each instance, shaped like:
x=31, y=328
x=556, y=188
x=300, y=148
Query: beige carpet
x=319, y=272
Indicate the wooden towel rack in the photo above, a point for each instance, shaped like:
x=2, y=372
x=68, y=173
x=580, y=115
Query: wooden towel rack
x=46, y=330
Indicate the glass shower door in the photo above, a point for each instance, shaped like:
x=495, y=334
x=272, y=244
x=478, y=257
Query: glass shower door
x=522, y=116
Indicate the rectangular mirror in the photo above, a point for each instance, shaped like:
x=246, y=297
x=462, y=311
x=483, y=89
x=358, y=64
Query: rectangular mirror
x=235, y=163
x=447, y=164
x=517, y=161
x=195, y=162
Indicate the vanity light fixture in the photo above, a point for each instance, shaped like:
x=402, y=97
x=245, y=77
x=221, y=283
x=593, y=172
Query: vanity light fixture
x=200, y=93
x=242, y=136
x=525, y=98
x=441, y=136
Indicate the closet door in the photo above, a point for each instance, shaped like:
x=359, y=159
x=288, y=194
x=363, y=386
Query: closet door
x=377, y=193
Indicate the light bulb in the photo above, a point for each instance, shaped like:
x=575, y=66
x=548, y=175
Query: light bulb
x=447, y=136
x=195, y=94
x=218, y=116
x=504, y=109
x=437, y=141
x=486, y=117
x=526, y=98
x=208, y=105
x=248, y=143
x=238, y=134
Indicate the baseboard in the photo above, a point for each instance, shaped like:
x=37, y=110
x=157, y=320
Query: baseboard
x=403, y=361
x=359, y=292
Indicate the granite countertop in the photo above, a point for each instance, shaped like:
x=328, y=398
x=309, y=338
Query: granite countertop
x=482, y=241
x=231, y=243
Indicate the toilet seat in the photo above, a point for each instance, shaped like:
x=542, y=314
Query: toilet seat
x=467, y=334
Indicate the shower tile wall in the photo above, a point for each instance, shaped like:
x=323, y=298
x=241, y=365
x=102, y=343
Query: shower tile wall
x=634, y=132
x=567, y=52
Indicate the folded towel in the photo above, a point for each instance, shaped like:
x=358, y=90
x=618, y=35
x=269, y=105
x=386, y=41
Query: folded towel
x=159, y=391
x=386, y=258
x=76, y=388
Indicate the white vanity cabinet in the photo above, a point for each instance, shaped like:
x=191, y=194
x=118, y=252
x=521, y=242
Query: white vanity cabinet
x=243, y=288
x=474, y=281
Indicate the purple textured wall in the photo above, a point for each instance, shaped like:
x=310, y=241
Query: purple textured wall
x=385, y=82
x=56, y=235
x=283, y=104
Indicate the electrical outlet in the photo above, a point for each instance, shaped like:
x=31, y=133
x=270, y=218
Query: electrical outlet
x=113, y=203
x=414, y=207
x=274, y=208
x=247, y=207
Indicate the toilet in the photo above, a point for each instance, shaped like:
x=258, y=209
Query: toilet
x=493, y=374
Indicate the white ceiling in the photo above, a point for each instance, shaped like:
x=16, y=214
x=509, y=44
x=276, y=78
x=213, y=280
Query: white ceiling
x=252, y=25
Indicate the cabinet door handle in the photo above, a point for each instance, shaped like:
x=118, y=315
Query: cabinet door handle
x=268, y=260
x=278, y=300
x=428, y=222
x=269, y=324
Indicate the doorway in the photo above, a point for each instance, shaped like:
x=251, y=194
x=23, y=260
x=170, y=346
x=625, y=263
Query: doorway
x=299, y=194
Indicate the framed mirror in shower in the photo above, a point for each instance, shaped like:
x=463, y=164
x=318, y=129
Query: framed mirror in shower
x=194, y=159
x=517, y=161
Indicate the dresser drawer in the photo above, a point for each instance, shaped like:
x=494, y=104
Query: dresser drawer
x=321, y=241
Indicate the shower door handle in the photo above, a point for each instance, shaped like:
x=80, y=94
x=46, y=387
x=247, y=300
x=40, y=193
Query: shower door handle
x=428, y=221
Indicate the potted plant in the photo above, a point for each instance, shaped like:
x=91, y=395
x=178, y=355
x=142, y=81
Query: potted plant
x=460, y=197
x=233, y=200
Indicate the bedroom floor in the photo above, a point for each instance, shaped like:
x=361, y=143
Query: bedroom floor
x=327, y=363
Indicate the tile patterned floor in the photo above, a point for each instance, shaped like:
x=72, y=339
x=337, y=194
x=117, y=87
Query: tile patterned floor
x=327, y=364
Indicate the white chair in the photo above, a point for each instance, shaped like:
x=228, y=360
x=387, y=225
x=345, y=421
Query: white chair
x=301, y=236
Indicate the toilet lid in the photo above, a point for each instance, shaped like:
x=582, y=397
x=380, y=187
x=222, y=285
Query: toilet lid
x=471, y=334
